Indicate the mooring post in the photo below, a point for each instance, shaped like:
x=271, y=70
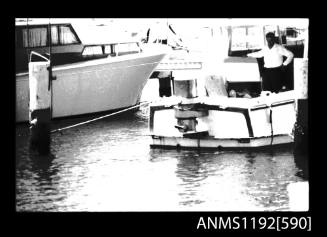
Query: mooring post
x=39, y=106
x=301, y=90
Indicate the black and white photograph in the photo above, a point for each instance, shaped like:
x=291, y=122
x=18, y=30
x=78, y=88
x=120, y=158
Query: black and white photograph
x=161, y=115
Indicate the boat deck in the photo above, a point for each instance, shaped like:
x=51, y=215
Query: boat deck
x=224, y=101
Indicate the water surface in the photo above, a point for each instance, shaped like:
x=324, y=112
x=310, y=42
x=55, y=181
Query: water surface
x=108, y=165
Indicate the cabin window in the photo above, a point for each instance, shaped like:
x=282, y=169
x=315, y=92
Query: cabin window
x=67, y=36
x=108, y=49
x=254, y=38
x=54, y=35
x=92, y=50
x=238, y=42
x=38, y=36
x=127, y=48
x=35, y=37
x=245, y=39
x=292, y=36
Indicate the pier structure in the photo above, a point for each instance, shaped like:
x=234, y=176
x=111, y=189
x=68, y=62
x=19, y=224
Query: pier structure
x=301, y=91
x=301, y=130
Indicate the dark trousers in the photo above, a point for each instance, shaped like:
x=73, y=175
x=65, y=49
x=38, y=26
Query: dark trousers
x=272, y=79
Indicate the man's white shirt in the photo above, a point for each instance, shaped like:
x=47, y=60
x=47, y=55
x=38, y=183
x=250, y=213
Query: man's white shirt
x=273, y=57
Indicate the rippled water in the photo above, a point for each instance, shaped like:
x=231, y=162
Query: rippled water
x=108, y=166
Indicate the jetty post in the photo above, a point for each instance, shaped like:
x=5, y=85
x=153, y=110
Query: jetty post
x=39, y=106
x=300, y=131
x=301, y=92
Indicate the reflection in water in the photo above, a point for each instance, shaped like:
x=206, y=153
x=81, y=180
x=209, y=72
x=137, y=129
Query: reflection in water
x=213, y=181
x=192, y=172
x=42, y=166
x=301, y=161
x=233, y=181
x=108, y=166
x=37, y=185
x=267, y=182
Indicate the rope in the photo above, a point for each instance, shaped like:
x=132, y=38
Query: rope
x=101, y=117
x=271, y=126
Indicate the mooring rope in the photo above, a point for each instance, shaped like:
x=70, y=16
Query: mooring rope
x=101, y=117
x=271, y=126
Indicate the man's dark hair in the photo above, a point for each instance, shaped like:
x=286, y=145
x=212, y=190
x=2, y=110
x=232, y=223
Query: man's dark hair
x=270, y=35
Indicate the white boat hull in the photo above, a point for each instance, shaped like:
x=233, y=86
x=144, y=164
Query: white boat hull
x=92, y=86
x=226, y=123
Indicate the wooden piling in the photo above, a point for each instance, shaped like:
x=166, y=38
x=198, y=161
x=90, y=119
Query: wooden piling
x=301, y=89
x=39, y=107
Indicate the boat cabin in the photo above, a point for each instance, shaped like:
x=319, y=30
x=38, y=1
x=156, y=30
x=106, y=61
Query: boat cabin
x=68, y=42
x=223, y=44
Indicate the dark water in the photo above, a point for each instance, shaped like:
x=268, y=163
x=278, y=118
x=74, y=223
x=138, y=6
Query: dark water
x=108, y=166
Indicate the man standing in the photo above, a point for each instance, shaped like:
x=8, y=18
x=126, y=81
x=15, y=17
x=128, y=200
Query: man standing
x=273, y=63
